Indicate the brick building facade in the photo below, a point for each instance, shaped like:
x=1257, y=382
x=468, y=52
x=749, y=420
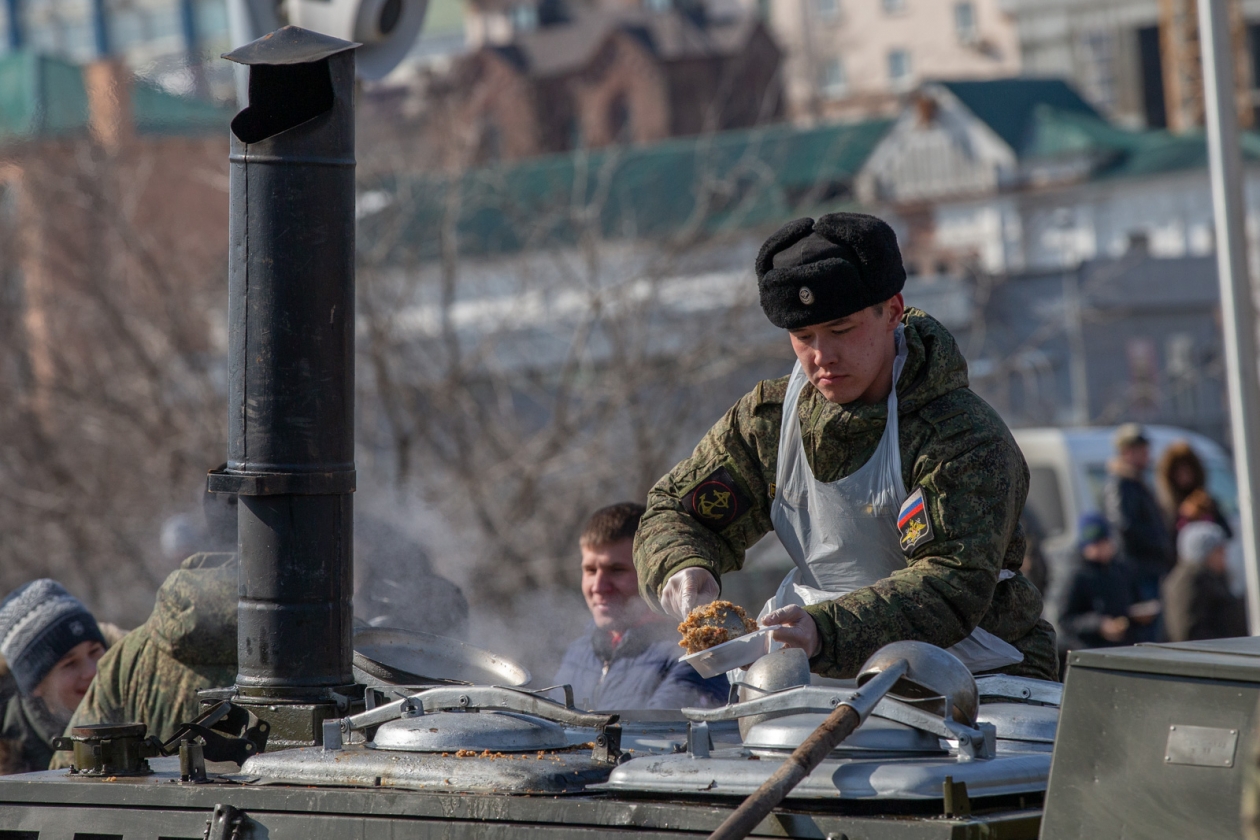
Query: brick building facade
x=607, y=76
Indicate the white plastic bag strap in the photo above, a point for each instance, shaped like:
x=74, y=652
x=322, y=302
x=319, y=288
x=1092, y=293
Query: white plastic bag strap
x=790, y=427
x=889, y=449
x=790, y=444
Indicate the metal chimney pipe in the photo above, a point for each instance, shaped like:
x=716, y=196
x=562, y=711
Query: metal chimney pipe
x=291, y=376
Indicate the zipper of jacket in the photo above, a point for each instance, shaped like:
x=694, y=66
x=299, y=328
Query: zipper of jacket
x=603, y=673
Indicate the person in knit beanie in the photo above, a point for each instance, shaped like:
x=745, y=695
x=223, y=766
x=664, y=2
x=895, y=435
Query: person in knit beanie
x=1198, y=603
x=51, y=643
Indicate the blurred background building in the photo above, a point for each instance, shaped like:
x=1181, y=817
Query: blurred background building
x=850, y=58
x=559, y=203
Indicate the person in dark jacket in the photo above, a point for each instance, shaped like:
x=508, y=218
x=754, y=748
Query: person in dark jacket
x=1103, y=607
x=1141, y=531
x=629, y=657
x=1181, y=485
x=1197, y=601
x=51, y=643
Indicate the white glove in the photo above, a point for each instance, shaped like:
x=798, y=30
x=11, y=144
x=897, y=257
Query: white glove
x=686, y=590
x=795, y=628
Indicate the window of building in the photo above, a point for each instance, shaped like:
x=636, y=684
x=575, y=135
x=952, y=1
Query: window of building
x=899, y=67
x=573, y=134
x=834, y=80
x=1152, y=70
x=524, y=17
x=893, y=7
x=490, y=144
x=828, y=9
x=965, y=22
x=552, y=12
x=1096, y=68
x=619, y=126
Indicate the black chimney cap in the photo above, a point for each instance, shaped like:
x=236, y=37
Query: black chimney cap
x=289, y=45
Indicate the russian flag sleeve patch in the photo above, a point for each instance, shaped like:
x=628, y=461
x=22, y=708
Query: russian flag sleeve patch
x=913, y=523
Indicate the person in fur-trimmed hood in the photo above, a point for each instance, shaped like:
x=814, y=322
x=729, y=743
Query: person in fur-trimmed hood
x=894, y=488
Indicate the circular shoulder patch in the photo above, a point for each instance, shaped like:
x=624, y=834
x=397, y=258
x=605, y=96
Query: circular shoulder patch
x=717, y=501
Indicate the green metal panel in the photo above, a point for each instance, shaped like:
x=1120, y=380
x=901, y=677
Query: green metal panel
x=1222, y=659
x=1113, y=774
x=40, y=96
x=17, y=100
x=58, y=806
x=1007, y=105
x=710, y=184
x=1046, y=127
x=62, y=102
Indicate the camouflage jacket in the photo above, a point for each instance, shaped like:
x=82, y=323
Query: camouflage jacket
x=953, y=446
x=153, y=675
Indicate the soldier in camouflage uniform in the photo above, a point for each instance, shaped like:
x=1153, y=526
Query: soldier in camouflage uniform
x=188, y=644
x=835, y=286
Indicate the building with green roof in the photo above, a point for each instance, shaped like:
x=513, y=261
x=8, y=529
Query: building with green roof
x=683, y=189
x=1022, y=174
x=43, y=97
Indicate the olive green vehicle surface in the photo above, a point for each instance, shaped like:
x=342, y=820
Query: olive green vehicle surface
x=1153, y=741
x=55, y=806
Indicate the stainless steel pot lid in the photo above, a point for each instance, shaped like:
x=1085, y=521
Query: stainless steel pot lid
x=385, y=656
x=472, y=731
x=876, y=735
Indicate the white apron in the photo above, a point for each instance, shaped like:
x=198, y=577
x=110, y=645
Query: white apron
x=843, y=535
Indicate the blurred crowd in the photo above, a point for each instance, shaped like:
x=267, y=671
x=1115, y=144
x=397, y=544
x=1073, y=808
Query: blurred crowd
x=1151, y=566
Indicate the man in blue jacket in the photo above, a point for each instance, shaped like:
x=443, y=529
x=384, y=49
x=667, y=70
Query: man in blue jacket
x=629, y=657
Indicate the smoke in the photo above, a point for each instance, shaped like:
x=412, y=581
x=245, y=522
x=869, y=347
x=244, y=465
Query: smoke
x=533, y=628
x=395, y=585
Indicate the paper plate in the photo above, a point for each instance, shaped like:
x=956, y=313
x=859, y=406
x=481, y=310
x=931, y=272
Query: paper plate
x=740, y=651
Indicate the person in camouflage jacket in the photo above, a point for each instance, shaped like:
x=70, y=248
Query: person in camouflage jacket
x=153, y=674
x=954, y=447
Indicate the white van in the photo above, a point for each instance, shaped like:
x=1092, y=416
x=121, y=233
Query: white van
x=1068, y=469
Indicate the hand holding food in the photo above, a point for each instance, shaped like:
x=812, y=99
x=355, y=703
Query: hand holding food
x=686, y=590
x=795, y=628
x=712, y=624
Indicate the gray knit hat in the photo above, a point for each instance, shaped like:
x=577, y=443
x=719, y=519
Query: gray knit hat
x=40, y=622
x=1199, y=539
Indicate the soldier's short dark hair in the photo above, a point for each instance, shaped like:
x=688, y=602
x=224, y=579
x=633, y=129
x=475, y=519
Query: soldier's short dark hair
x=612, y=524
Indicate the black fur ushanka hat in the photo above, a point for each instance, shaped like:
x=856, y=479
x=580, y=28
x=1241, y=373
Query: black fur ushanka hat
x=812, y=272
